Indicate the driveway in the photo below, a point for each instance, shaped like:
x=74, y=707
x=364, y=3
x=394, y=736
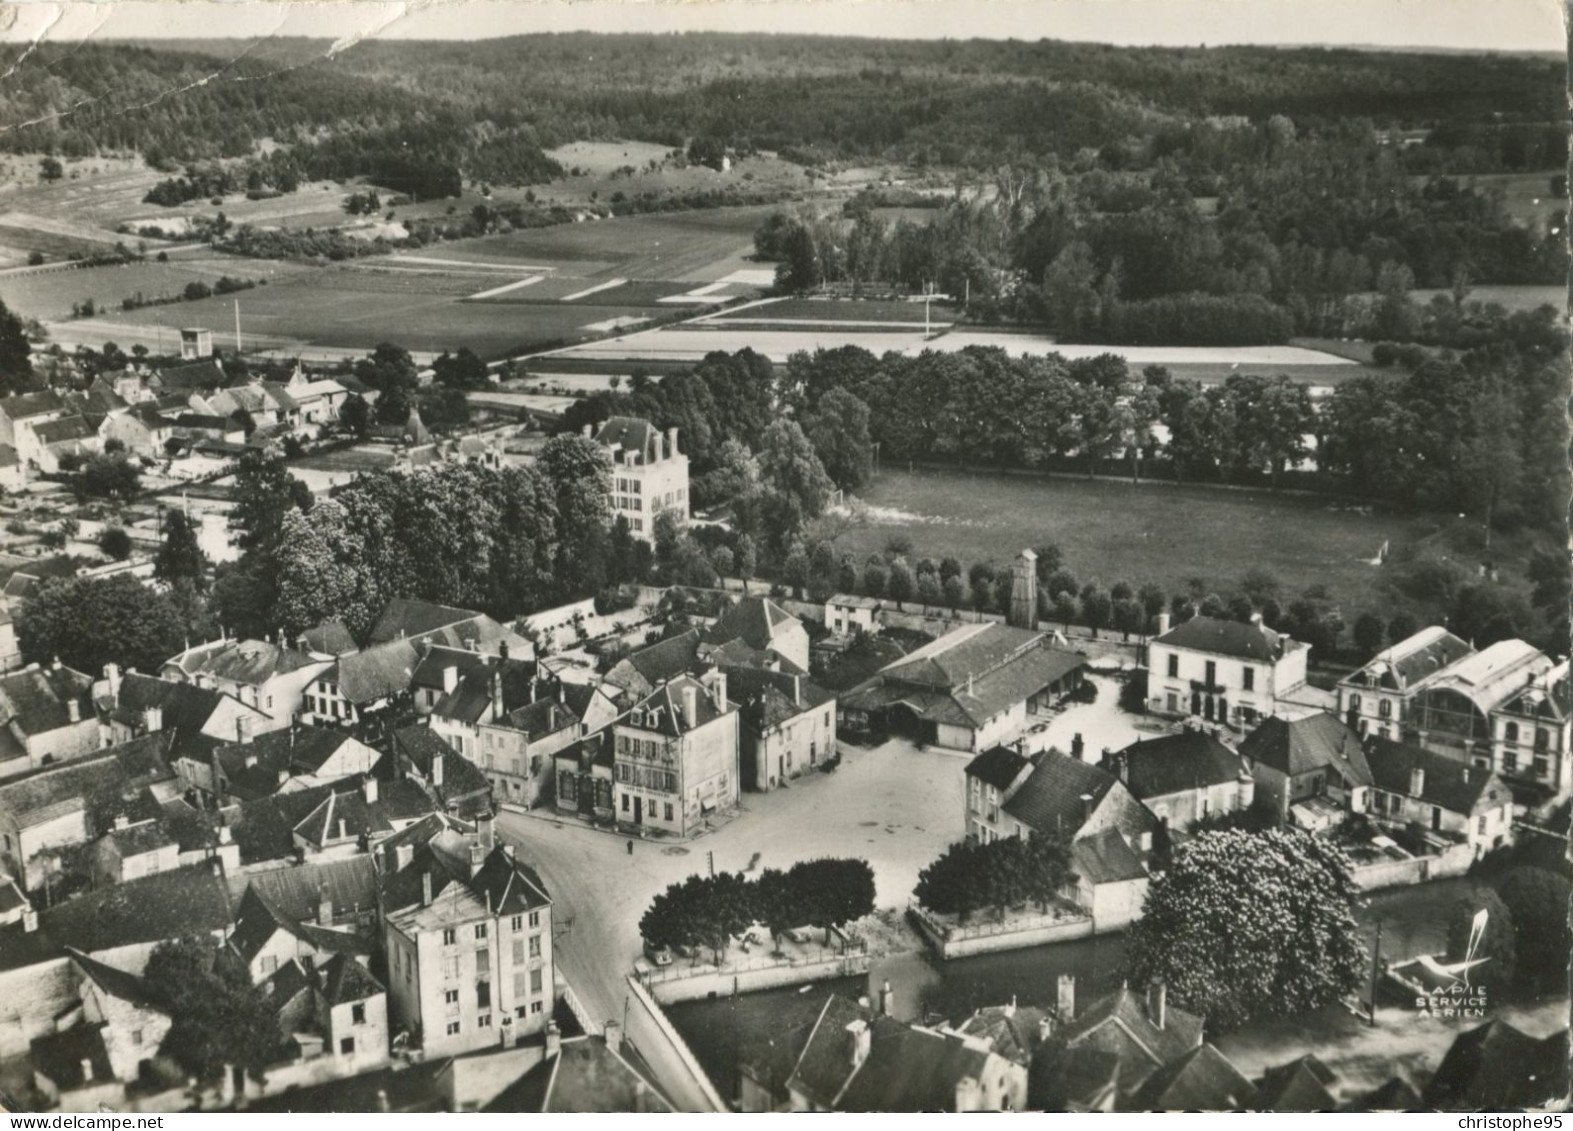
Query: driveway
x=1101, y=724
x=895, y=806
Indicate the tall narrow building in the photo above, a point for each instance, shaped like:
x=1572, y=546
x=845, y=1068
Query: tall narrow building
x=1024, y=591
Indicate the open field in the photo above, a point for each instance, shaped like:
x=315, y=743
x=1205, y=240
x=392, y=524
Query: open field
x=1527, y=196
x=50, y=294
x=1513, y=298
x=1152, y=532
x=827, y=311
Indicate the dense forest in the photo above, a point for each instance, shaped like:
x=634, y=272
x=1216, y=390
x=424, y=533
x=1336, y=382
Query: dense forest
x=487, y=109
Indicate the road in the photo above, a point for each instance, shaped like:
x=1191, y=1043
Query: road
x=895, y=806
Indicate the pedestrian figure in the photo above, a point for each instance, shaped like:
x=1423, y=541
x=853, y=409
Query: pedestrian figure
x=630, y=847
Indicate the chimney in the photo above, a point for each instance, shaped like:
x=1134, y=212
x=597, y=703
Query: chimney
x=1157, y=1001
x=29, y=919
x=251, y=759
x=497, y=705
x=403, y=856
x=87, y=1069
x=425, y=886
x=502, y=649
x=969, y=683
x=589, y=431
x=1163, y=623
x=671, y=441
x=554, y=1040
x=887, y=998
x=74, y=709
x=369, y=788
x=797, y=691
x=612, y=1034
x=112, y=678
x=450, y=679
x=243, y=730
x=691, y=705
x=153, y=719
x=507, y=850
x=1078, y=746
x=1417, y=781
x=436, y=768
x=226, y=1086
x=342, y=833
x=1045, y=1028
x=1065, y=1001
x=1086, y=806
x=859, y=1038
x=1256, y=619
x=485, y=832
x=718, y=689
x=122, y=821
x=225, y=835
x=324, y=907
x=216, y=866
x=968, y=1095
x=477, y=858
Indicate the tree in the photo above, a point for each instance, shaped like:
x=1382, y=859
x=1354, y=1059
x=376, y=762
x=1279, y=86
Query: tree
x=355, y=415
x=832, y=892
x=180, y=558
x=107, y=477
x=901, y=582
x=1498, y=945
x=789, y=466
x=839, y=431
x=463, y=371
x=87, y=622
x=1096, y=607
x=745, y=560
x=16, y=363
x=1537, y=902
x=929, y=590
x=1250, y=925
x=264, y=492
x=1065, y=608
x=50, y=169
x=219, y=1018
x=1401, y=627
x=876, y=578
x=1129, y=617
x=1002, y=874
x=578, y=473
x=1370, y=634
x=115, y=543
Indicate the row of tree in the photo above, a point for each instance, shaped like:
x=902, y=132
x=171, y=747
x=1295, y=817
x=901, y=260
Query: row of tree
x=710, y=911
x=970, y=876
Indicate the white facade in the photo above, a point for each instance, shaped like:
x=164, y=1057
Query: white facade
x=648, y=476
x=1220, y=686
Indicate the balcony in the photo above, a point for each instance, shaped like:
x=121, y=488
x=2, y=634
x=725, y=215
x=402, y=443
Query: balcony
x=1208, y=687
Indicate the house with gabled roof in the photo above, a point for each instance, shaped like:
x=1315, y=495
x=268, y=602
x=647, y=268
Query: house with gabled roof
x=1226, y=671
x=1450, y=799
x=361, y=684
x=677, y=756
x=1184, y=777
x=788, y=724
x=1310, y=770
x=350, y=821
x=1304, y=1084
x=467, y=928
x=144, y=428
x=585, y=775
x=406, y=618
x=48, y=717
x=1204, y=1079
x=851, y=1057
x=133, y=704
x=1112, y=835
x=202, y=376
x=461, y=788
x=1374, y=698
x=763, y=625
x=72, y=435
x=977, y=686
x=1142, y=1031
x=649, y=474
x=20, y=412
x=640, y=672
x=132, y=1018
x=266, y=937
x=1532, y=732
x=260, y=673
x=1497, y=1067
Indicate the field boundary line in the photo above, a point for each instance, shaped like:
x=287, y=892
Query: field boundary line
x=597, y=289
x=506, y=287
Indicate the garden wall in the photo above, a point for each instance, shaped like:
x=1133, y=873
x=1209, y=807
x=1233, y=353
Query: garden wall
x=951, y=941
x=1454, y=861
x=673, y=984
x=675, y=1068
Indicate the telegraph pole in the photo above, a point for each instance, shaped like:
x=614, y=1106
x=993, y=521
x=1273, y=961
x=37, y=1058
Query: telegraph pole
x=1376, y=965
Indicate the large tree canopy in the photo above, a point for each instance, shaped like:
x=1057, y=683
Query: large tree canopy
x=1248, y=925
x=88, y=622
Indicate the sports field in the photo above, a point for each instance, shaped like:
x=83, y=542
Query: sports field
x=1155, y=532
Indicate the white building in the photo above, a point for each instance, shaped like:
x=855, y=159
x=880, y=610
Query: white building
x=1374, y=699
x=1223, y=670
x=846, y=613
x=649, y=474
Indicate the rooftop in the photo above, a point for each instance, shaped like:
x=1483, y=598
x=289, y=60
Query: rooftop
x=1243, y=640
x=37, y=699
x=251, y=662
x=380, y=672
x=1173, y=763
x=662, y=710
x=1201, y=1080
x=1448, y=783
x=998, y=766
x=1402, y=666
x=1307, y=744
x=1491, y=677
x=1498, y=1067
x=758, y=621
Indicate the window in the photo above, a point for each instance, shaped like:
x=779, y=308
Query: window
x=535, y=1008
x=136, y=1036
x=1510, y=732
x=535, y=946
x=668, y=810
x=347, y=1046
x=483, y=995
x=1480, y=826
x=1212, y=673
x=516, y=923
x=267, y=964
x=453, y=1028
x=625, y=801
x=1250, y=678
x=1542, y=738
x=449, y=936
x=1174, y=667
x=484, y=1021
x=450, y=997
x=358, y=1013
x=535, y=980
x=483, y=959
x=1385, y=708
x=480, y=930
x=450, y=967
x=535, y=919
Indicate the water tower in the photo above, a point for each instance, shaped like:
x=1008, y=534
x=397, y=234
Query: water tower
x=1024, y=591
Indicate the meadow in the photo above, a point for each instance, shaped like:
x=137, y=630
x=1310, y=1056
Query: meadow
x=828, y=311
x=1158, y=532
x=50, y=294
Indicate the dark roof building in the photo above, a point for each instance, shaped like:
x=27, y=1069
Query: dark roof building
x=585, y=1075
x=999, y=767
x=1305, y=1084
x=1176, y=763
x=1498, y=1067
x=1201, y=1080
x=1306, y=745
x=1433, y=778
x=37, y=699
x=1144, y=1033
x=1239, y=639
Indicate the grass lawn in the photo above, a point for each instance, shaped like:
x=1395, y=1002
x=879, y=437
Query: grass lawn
x=841, y=310
x=1152, y=532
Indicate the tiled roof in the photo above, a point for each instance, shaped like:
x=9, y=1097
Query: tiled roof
x=1051, y=799
x=584, y=1077
x=330, y=638
x=434, y=661
x=93, y=784
x=1307, y=744
x=1201, y=1080
x=1301, y=1085
x=852, y=601
x=1397, y=1094
x=472, y=697
x=345, y=980
x=8, y=456
x=541, y=718
x=463, y=786
x=264, y=829
x=351, y=886
x=1490, y=677
x=1011, y=1030
x=502, y=884
x=667, y=659
x=204, y=374
x=20, y=406
x=998, y=766
x=1009, y=677
x=37, y=699
x=1450, y=783
x=628, y=433
x=1247, y=641
x=406, y=617
x=349, y=814
x=1498, y=1067
x=426, y=1086
x=1146, y=1045
x=380, y=672
x=241, y=661
x=757, y=621
x=116, y=982
x=185, y=706
x=140, y=839
x=1106, y=857
x=167, y=905
x=1173, y=763
x=741, y=655
x=662, y=710
x=972, y=649
x=599, y=746
x=1403, y=665
x=65, y=430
